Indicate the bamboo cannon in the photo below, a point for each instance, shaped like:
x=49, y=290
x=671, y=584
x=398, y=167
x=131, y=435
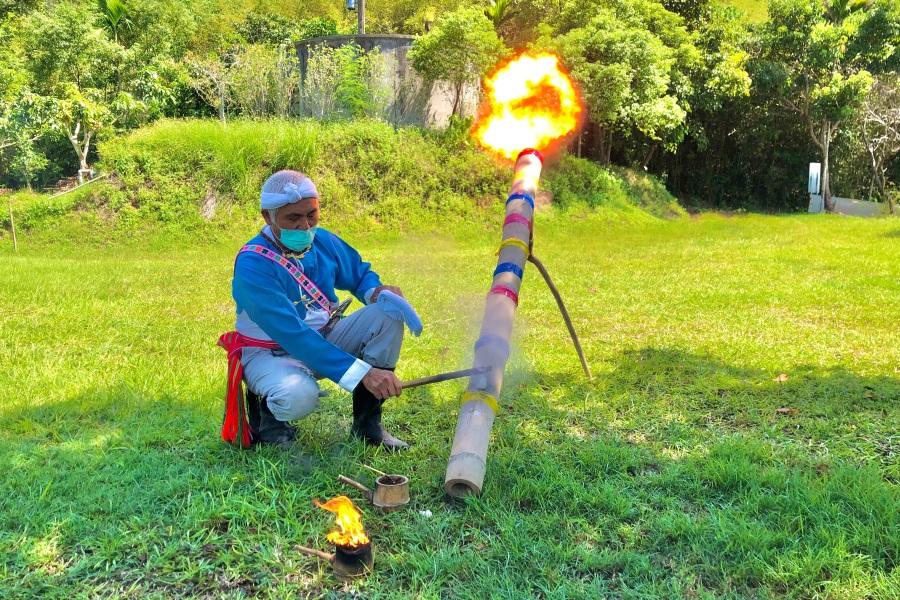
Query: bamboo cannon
x=468, y=456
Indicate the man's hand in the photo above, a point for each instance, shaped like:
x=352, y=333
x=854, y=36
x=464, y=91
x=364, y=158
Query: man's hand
x=392, y=288
x=383, y=384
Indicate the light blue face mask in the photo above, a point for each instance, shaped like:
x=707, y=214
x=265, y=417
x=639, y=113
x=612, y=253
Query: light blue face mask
x=297, y=239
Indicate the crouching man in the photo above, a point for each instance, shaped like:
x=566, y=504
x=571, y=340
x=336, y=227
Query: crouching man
x=289, y=330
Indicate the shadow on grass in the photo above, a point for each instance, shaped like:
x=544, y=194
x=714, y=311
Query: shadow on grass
x=112, y=487
x=676, y=474
x=670, y=476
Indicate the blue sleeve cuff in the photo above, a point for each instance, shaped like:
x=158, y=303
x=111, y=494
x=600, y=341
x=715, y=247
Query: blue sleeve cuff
x=368, y=295
x=354, y=374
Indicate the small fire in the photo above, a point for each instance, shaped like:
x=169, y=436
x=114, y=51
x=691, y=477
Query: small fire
x=348, y=519
x=530, y=102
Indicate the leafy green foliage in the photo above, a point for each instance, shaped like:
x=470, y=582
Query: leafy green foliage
x=632, y=60
x=271, y=29
x=499, y=12
x=315, y=27
x=115, y=16
x=579, y=182
x=460, y=49
x=344, y=82
x=820, y=59
x=755, y=11
x=369, y=174
x=274, y=29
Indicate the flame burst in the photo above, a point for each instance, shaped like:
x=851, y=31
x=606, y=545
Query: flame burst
x=530, y=102
x=348, y=519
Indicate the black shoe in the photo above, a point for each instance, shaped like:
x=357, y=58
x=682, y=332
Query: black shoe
x=265, y=428
x=367, y=421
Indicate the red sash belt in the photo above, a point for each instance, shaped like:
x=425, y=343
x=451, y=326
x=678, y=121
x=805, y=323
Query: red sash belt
x=235, y=427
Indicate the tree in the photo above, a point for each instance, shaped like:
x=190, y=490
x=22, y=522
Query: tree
x=18, y=6
x=259, y=28
x=460, y=49
x=115, y=16
x=499, y=12
x=693, y=11
x=211, y=78
x=880, y=126
x=26, y=161
x=821, y=56
x=76, y=70
x=264, y=80
x=633, y=60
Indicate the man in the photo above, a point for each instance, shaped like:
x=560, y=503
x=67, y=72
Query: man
x=284, y=288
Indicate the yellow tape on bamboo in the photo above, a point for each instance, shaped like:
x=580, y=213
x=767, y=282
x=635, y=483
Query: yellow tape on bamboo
x=514, y=242
x=484, y=397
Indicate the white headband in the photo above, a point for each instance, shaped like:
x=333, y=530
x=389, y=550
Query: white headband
x=293, y=192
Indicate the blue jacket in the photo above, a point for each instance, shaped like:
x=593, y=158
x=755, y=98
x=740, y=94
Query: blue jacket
x=269, y=299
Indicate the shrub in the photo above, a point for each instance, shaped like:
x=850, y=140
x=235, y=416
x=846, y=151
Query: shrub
x=178, y=174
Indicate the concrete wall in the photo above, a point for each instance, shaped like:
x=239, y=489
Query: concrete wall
x=848, y=206
x=410, y=101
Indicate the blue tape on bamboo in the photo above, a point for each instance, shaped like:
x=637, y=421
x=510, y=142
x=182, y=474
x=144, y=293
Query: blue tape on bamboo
x=524, y=197
x=509, y=267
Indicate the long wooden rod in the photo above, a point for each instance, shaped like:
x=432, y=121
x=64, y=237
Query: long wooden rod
x=442, y=377
x=562, y=309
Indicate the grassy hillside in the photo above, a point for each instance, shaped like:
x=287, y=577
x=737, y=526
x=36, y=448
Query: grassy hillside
x=190, y=176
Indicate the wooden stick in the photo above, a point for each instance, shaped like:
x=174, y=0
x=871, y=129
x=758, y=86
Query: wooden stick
x=442, y=377
x=382, y=473
x=565, y=314
x=357, y=485
x=314, y=552
x=80, y=185
x=12, y=224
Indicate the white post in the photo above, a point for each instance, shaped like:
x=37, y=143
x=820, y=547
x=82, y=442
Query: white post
x=813, y=185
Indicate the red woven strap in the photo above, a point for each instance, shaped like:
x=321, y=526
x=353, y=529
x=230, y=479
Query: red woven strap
x=305, y=282
x=235, y=427
x=505, y=291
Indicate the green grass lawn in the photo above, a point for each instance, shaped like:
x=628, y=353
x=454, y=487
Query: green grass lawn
x=674, y=474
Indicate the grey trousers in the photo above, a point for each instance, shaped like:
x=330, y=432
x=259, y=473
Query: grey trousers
x=290, y=387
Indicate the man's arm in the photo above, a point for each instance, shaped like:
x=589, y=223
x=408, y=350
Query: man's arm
x=353, y=273
x=258, y=290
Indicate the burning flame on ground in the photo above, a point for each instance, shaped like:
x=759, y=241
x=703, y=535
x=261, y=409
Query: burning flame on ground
x=530, y=102
x=347, y=517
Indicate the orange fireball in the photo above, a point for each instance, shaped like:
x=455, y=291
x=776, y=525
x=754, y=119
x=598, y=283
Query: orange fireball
x=348, y=519
x=530, y=102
